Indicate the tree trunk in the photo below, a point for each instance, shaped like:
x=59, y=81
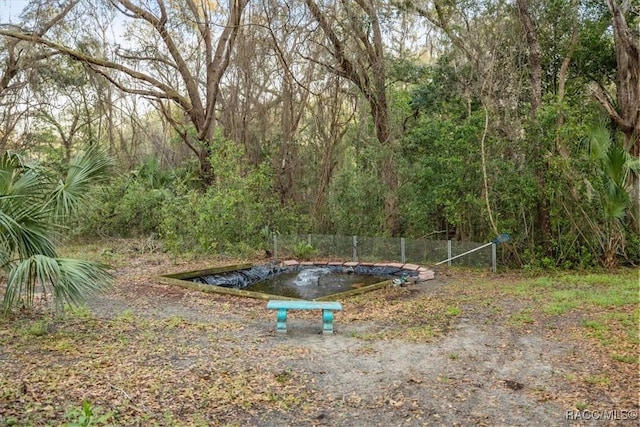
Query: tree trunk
x=535, y=65
x=627, y=116
x=207, y=174
x=389, y=172
x=320, y=203
x=365, y=67
x=146, y=75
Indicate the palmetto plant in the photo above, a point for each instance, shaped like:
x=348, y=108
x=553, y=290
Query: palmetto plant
x=615, y=166
x=34, y=208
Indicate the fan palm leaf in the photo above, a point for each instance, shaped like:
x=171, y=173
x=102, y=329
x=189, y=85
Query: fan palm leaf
x=24, y=225
x=23, y=234
x=70, y=281
x=85, y=169
x=32, y=206
x=615, y=164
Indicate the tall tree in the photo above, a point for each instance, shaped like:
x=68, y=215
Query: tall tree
x=18, y=60
x=625, y=111
x=330, y=123
x=355, y=42
x=184, y=69
x=535, y=72
x=535, y=63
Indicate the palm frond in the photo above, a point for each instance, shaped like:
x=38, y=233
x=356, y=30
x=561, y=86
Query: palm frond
x=599, y=142
x=86, y=168
x=81, y=280
x=24, y=222
x=616, y=202
x=29, y=214
x=24, y=235
x=17, y=177
x=11, y=160
x=614, y=165
x=68, y=280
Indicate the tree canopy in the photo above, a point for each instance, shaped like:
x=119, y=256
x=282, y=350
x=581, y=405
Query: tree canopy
x=451, y=119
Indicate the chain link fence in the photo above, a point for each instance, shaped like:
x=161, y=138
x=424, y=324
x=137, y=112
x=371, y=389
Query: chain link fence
x=378, y=249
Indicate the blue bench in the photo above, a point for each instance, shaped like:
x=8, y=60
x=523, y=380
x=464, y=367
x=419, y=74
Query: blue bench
x=327, y=307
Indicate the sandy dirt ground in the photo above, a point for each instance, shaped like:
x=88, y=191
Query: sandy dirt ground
x=478, y=370
x=428, y=354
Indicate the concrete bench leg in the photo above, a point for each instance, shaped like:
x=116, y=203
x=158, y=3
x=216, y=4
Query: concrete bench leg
x=281, y=321
x=327, y=321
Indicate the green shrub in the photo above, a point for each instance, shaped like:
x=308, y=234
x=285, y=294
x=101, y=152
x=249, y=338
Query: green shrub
x=304, y=251
x=125, y=208
x=632, y=248
x=232, y=215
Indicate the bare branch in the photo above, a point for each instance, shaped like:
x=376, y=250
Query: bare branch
x=604, y=99
x=168, y=92
x=181, y=65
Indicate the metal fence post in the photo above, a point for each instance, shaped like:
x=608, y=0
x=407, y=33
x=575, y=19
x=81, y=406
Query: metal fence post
x=403, y=254
x=355, y=248
x=275, y=246
x=449, y=253
x=494, y=258
x=309, y=239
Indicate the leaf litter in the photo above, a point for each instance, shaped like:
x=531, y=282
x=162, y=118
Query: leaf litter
x=448, y=352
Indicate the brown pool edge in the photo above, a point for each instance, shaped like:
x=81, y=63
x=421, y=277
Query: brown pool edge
x=176, y=279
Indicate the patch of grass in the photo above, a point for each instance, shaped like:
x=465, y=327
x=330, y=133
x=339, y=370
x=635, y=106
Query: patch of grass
x=62, y=345
x=625, y=358
x=522, y=317
x=365, y=336
x=562, y=300
x=37, y=328
x=453, y=311
x=563, y=292
x=625, y=319
x=581, y=405
x=495, y=309
x=122, y=339
x=126, y=316
x=557, y=308
x=571, y=377
x=598, y=380
x=610, y=290
x=621, y=277
x=10, y=421
x=423, y=333
x=522, y=290
x=543, y=282
x=611, y=297
x=80, y=312
x=88, y=416
x=599, y=331
x=175, y=321
x=595, y=325
x=284, y=376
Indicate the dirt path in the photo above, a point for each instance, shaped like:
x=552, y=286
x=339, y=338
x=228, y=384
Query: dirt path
x=474, y=375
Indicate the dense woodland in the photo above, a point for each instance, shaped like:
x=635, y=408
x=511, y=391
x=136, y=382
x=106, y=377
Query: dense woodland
x=224, y=122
